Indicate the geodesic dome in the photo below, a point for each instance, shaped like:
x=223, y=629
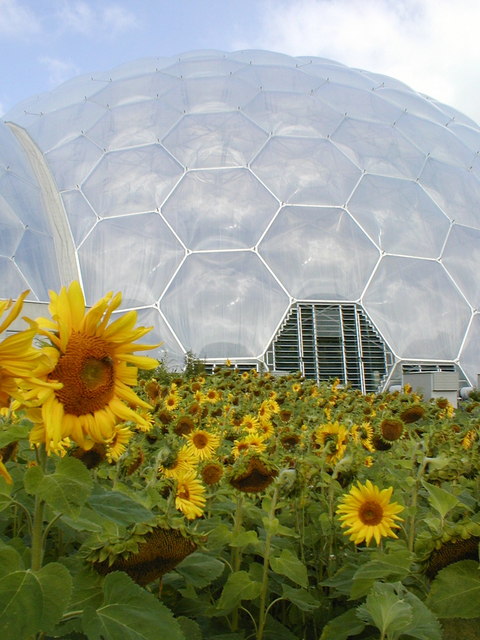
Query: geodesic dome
x=284, y=212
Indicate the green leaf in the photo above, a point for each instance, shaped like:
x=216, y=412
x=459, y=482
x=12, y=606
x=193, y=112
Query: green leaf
x=343, y=626
x=274, y=528
x=18, y=431
x=20, y=593
x=243, y=538
x=287, y=564
x=32, y=479
x=66, y=490
x=200, y=569
x=190, y=628
x=394, y=565
x=455, y=592
x=56, y=584
x=386, y=609
x=424, y=625
x=118, y=507
x=238, y=587
x=129, y=613
x=33, y=601
x=10, y=560
x=441, y=500
x=300, y=597
x=87, y=590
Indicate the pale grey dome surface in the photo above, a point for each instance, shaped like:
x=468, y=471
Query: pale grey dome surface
x=227, y=194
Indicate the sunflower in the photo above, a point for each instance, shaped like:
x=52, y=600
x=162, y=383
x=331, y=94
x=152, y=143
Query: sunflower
x=184, y=460
x=363, y=434
x=212, y=473
x=213, y=396
x=90, y=366
x=117, y=444
x=17, y=356
x=252, y=442
x=332, y=438
x=368, y=513
x=171, y=401
x=202, y=443
x=190, y=495
x=250, y=423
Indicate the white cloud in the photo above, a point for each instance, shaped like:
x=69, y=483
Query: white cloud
x=58, y=70
x=92, y=21
x=431, y=45
x=17, y=21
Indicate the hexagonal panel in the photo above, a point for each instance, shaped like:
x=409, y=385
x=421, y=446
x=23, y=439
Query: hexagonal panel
x=421, y=228
x=417, y=308
x=287, y=114
x=111, y=262
x=462, y=251
x=219, y=209
x=36, y=259
x=318, y=253
x=53, y=129
x=278, y=78
x=201, y=67
x=131, y=181
x=214, y=140
x=358, y=103
x=470, y=354
x=12, y=283
x=134, y=89
x=71, y=162
x=170, y=350
x=134, y=124
x=457, y=192
x=435, y=140
x=300, y=171
x=212, y=95
x=237, y=299
x=378, y=148
x=11, y=229
x=80, y=214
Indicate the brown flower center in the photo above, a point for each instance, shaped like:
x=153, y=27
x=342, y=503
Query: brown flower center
x=370, y=513
x=88, y=375
x=200, y=440
x=183, y=492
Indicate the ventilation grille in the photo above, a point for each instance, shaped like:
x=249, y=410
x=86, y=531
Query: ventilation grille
x=326, y=341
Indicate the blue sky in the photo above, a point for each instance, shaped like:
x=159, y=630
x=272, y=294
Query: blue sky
x=432, y=45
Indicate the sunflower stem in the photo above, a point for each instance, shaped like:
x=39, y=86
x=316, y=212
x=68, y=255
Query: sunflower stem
x=263, y=609
x=236, y=558
x=38, y=516
x=414, y=497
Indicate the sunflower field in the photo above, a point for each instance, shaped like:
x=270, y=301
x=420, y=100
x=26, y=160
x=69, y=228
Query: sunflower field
x=138, y=503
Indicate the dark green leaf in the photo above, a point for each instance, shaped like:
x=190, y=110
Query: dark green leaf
x=200, y=570
x=20, y=593
x=66, y=490
x=118, y=507
x=300, y=597
x=129, y=613
x=394, y=565
x=287, y=564
x=14, y=432
x=56, y=585
x=190, y=629
x=386, y=609
x=343, y=626
x=238, y=587
x=455, y=592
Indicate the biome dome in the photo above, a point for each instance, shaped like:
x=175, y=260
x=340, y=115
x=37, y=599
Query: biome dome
x=291, y=213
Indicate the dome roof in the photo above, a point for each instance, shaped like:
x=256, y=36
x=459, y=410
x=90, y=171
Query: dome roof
x=219, y=190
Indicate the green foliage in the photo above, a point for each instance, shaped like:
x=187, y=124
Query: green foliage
x=129, y=613
x=455, y=592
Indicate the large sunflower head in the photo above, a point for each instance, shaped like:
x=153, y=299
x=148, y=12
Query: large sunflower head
x=366, y=512
x=332, y=439
x=190, y=495
x=202, y=444
x=88, y=370
x=18, y=359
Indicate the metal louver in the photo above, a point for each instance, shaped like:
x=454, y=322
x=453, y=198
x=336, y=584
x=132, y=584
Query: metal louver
x=326, y=341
